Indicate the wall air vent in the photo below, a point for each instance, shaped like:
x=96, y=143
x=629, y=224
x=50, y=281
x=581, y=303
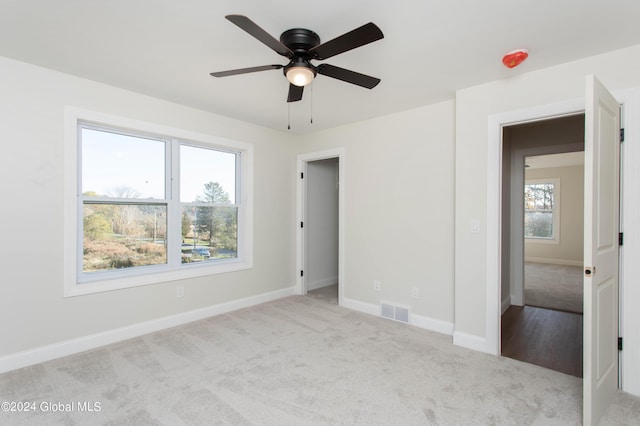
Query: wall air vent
x=395, y=312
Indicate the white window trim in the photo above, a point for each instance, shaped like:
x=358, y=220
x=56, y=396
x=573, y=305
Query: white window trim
x=155, y=274
x=556, y=211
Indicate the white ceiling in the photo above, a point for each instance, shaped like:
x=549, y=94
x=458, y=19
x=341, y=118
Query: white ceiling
x=166, y=48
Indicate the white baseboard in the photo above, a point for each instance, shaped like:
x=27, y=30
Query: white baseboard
x=432, y=324
x=517, y=300
x=470, y=341
x=554, y=261
x=356, y=305
x=506, y=302
x=465, y=340
x=81, y=344
x=325, y=282
x=420, y=321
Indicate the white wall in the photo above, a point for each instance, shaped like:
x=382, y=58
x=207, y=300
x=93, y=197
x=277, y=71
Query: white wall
x=321, y=223
x=33, y=311
x=398, y=209
x=569, y=250
x=474, y=107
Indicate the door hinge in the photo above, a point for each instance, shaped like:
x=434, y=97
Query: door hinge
x=620, y=239
x=301, y=224
x=301, y=175
x=619, y=343
x=621, y=135
x=302, y=273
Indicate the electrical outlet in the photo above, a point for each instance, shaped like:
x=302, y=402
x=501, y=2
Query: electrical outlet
x=376, y=285
x=180, y=291
x=415, y=292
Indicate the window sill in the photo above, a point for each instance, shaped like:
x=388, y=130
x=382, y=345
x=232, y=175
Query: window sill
x=162, y=275
x=528, y=240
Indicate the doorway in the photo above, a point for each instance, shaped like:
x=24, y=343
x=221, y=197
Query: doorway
x=320, y=254
x=542, y=163
x=321, y=229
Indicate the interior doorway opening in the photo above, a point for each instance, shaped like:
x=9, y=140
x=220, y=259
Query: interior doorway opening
x=543, y=159
x=320, y=213
x=321, y=229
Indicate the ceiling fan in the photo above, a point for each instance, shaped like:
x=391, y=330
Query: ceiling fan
x=302, y=46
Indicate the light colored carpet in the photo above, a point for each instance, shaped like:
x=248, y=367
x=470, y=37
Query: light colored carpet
x=299, y=361
x=327, y=294
x=556, y=287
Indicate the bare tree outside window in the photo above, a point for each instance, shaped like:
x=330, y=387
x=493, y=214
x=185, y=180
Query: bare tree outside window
x=539, y=210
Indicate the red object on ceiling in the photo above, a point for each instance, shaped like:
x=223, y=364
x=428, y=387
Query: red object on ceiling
x=515, y=58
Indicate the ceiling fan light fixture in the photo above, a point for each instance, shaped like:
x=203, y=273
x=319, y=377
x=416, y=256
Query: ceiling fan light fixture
x=300, y=75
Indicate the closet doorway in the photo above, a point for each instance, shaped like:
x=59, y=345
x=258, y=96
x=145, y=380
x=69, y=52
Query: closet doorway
x=320, y=213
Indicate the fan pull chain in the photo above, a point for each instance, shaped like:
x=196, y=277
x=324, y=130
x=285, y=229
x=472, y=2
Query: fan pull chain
x=289, y=116
x=311, y=102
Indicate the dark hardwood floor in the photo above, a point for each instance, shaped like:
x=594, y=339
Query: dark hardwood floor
x=548, y=338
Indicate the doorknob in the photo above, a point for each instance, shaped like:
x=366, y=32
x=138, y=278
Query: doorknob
x=589, y=271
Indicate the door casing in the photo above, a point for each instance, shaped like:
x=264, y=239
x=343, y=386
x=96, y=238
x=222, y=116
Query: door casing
x=630, y=205
x=494, y=204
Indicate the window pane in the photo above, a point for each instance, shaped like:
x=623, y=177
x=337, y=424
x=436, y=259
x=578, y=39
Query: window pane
x=123, y=236
x=538, y=224
x=538, y=196
x=209, y=233
x=120, y=166
x=207, y=175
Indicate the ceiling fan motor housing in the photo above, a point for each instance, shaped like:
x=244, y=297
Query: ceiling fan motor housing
x=300, y=41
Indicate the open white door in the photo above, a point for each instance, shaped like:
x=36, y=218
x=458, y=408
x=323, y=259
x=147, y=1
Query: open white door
x=601, y=224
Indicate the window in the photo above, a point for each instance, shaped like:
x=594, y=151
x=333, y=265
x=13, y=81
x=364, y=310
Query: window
x=209, y=214
x=154, y=204
x=541, y=213
x=124, y=200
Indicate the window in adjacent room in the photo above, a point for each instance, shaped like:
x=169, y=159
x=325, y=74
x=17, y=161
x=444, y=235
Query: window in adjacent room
x=541, y=213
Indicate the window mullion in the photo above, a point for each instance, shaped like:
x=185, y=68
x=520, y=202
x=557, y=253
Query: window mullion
x=173, y=197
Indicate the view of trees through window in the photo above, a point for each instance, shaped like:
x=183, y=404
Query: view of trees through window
x=209, y=232
x=125, y=206
x=538, y=210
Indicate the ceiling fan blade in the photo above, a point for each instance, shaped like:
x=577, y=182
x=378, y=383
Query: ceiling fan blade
x=253, y=29
x=246, y=70
x=348, y=76
x=355, y=38
x=295, y=93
